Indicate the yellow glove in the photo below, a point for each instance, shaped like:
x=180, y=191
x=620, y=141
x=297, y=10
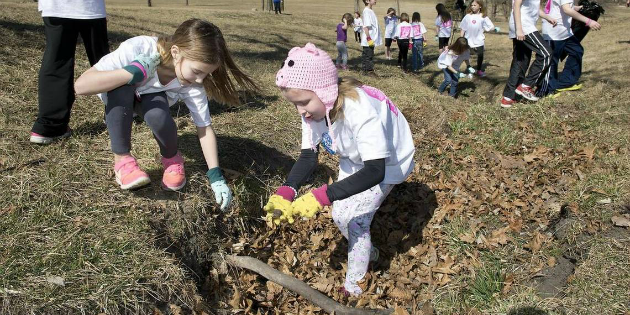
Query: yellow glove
x=307, y=206
x=279, y=209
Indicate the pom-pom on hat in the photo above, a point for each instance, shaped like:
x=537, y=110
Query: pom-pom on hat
x=310, y=68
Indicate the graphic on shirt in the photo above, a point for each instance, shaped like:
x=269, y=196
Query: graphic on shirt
x=474, y=21
x=404, y=32
x=327, y=143
x=377, y=94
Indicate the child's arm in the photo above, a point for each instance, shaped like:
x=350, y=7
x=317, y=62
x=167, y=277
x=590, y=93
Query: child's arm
x=208, y=141
x=94, y=81
x=568, y=10
x=520, y=35
x=345, y=24
x=547, y=17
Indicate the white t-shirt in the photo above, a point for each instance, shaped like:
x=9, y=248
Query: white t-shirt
x=474, y=25
x=448, y=58
x=563, y=30
x=404, y=30
x=358, y=25
x=529, y=17
x=390, y=26
x=72, y=9
x=194, y=96
x=372, y=128
x=445, y=27
x=418, y=30
x=370, y=21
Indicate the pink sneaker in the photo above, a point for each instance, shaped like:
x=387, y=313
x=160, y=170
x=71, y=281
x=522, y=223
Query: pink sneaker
x=481, y=73
x=129, y=175
x=39, y=139
x=174, y=177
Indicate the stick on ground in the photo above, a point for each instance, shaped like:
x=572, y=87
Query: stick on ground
x=327, y=304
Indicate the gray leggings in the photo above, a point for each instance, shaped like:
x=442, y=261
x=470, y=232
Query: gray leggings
x=153, y=108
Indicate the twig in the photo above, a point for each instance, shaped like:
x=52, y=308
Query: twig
x=327, y=304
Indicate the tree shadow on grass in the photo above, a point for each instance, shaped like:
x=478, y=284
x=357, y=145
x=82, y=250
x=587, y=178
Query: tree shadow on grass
x=397, y=225
x=527, y=310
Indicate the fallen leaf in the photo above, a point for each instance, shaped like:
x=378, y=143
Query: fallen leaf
x=621, y=220
x=236, y=299
x=400, y=311
x=507, y=284
x=536, y=242
x=175, y=310
x=56, y=280
x=604, y=201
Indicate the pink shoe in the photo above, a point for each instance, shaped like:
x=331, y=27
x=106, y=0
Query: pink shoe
x=129, y=175
x=481, y=73
x=174, y=177
x=39, y=139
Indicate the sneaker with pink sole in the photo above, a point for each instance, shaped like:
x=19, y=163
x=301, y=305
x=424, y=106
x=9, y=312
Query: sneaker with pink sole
x=129, y=175
x=174, y=177
x=40, y=139
x=481, y=73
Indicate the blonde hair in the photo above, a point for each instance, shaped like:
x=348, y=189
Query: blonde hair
x=347, y=88
x=202, y=41
x=482, y=8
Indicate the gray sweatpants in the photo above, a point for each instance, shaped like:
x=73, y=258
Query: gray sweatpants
x=153, y=108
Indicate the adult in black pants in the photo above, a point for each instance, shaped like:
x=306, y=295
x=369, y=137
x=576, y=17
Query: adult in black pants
x=64, y=21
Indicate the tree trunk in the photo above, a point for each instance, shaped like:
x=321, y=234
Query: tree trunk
x=149, y=2
x=397, y=7
x=356, y=6
x=186, y=2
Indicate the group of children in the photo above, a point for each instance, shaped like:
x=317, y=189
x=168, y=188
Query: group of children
x=358, y=123
x=412, y=36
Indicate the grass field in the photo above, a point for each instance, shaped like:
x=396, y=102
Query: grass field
x=508, y=211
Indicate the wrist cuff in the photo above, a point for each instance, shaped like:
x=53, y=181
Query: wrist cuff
x=286, y=192
x=214, y=174
x=137, y=72
x=321, y=196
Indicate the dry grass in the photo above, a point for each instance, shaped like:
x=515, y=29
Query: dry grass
x=119, y=252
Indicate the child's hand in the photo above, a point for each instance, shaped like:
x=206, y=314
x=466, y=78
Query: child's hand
x=520, y=35
x=497, y=29
x=279, y=209
x=370, y=41
x=142, y=68
x=553, y=22
x=222, y=193
x=311, y=203
x=471, y=70
x=461, y=75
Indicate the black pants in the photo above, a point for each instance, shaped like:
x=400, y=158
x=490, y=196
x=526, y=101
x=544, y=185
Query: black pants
x=443, y=42
x=277, y=7
x=367, y=58
x=56, y=75
x=479, y=52
x=403, y=46
x=520, y=62
x=357, y=36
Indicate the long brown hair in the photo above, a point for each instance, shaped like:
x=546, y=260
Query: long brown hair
x=202, y=41
x=482, y=8
x=347, y=88
x=459, y=46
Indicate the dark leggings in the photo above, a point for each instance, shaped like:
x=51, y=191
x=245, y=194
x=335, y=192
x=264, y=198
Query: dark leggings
x=403, y=47
x=153, y=108
x=479, y=52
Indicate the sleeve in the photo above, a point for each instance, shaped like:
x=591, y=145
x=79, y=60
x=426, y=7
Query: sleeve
x=125, y=53
x=372, y=173
x=368, y=20
x=445, y=60
x=438, y=22
x=487, y=24
x=466, y=55
x=367, y=129
x=302, y=169
x=422, y=29
x=197, y=102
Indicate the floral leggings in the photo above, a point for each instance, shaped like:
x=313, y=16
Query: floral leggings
x=353, y=216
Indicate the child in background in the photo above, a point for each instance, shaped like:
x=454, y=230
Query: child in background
x=562, y=40
x=403, y=35
x=358, y=23
x=444, y=26
x=450, y=61
x=419, y=41
x=147, y=74
x=472, y=27
x=390, y=27
x=525, y=39
x=370, y=37
x=369, y=134
x=342, y=37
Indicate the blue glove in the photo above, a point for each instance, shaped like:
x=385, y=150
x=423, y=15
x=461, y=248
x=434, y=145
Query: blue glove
x=497, y=29
x=222, y=193
x=461, y=75
x=436, y=38
x=471, y=70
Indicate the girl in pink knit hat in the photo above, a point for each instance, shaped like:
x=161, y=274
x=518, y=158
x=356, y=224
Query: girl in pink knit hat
x=368, y=133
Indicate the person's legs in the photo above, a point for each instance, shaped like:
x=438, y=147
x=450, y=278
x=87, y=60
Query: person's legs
x=155, y=111
x=446, y=82
x=339, y=45
x=521, y=56
x=94, y=35
x=420, y=54
x=56, y=78
x=353, y=216
x=573, y=66
x=540, y=66
x=480, y=51
x=370, y=59
x=454, y=81
x=388, y=50
x=558, y=48
x=365, y=58
x=404, y=50
x=414, y=56
x=344, y=56
x=400, y=52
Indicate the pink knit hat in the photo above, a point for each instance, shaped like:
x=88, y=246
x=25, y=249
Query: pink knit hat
x=310, y=68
